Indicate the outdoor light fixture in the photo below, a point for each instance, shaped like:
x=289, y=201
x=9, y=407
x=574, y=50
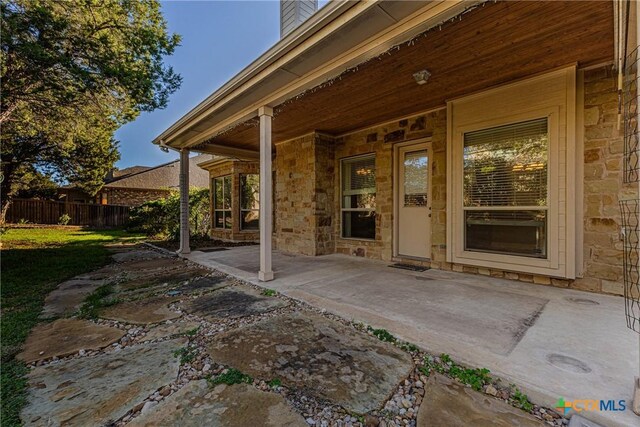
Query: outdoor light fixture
x=421, y=76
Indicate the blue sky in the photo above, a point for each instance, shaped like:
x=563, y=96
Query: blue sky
x=219, y=38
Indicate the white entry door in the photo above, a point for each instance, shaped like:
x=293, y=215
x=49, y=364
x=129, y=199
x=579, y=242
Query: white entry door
x=413, y=223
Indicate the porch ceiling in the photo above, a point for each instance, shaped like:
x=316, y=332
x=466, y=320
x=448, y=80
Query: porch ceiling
x=489, y=46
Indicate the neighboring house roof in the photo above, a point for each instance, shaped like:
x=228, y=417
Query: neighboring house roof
x=121, y=173
x=165, y=176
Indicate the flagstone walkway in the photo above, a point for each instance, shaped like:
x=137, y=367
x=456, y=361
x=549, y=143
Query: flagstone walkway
x=168, y=342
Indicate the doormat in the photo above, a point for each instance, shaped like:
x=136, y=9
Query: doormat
x=213, y=249
x=409, y=267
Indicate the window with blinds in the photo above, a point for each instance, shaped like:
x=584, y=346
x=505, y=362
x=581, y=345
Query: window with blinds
x=358, y=182
x=505, y=189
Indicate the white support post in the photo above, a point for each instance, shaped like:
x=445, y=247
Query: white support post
x=266, y=187
x=184, y=203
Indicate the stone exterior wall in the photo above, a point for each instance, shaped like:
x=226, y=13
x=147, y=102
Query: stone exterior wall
x=304, y=195
x=307, y=188
x=603, y=185
x=235, y=168
x=131, y=196
x=380, y=140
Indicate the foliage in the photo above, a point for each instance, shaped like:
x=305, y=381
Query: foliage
x=382, y=335
x=230, y=377
x=192, y=332
x=269, y=292
x=34, y=261
x=72, y=73
x=520, y=399
x=56, y=52
x=474, y=377
x=162, y=217
x=97, y=300
x=274, y=383
x=34, y=184
x=186, y=355
x=410, y=347
x=64, y=219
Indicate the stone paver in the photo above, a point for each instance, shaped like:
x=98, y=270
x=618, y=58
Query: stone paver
x=166, y=330
x=68, y=297
x=449, y=403
x=65, y=337
x=327, y=358
x=233, y=303
x=136, y=255
x=99, y=389
x=205, y=284
x=169, y=277
x=141, y=312
x=240, y=405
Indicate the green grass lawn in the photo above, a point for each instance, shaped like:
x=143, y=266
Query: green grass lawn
x=33, y=261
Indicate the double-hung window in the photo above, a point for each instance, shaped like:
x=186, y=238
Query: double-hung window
x=250, y=202
x=358, y=208
x=505, y=189
x=222, y=217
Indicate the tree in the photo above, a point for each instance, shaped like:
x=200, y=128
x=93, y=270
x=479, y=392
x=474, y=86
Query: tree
x=72, y=72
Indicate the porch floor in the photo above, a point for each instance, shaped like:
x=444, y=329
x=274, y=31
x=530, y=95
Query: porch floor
x=551, y=342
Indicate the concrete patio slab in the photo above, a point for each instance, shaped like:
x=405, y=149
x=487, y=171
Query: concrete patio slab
x=240, y=405
x=100, y=389
x=232, y=303
x=329, y=360
x=65, y=337
x=451, y=404
x=141, y=312
x=578, y=344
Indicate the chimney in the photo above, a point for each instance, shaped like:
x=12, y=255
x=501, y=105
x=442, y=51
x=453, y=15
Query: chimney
x=294, y=13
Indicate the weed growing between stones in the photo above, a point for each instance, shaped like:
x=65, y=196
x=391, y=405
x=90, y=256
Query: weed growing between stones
x=231, y=376
x=192, y=332
x=95, y=301
x=382, y=335
x=274, y=383
x=269, y=292
x=476, y=378
x=185, y=354
x=520, y=399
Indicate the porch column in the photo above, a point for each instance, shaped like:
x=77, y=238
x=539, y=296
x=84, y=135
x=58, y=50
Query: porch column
x=266, y=204
x=184, y=202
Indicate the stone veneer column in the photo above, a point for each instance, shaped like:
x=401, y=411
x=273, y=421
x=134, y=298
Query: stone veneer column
x=305, y=195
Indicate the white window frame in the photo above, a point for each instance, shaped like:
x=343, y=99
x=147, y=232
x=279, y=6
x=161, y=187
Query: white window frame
x=551, y=261
x=342, y=194
x=553, y=95
x=225, y=211
x=240, y=204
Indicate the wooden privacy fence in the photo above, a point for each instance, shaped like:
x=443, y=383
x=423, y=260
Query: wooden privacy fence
x=49, y=212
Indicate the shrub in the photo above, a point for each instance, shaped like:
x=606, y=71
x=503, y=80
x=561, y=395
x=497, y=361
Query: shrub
x=64, y=219
x=162, y=217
